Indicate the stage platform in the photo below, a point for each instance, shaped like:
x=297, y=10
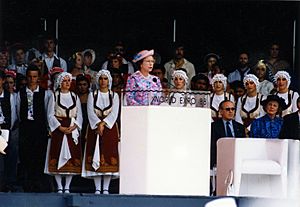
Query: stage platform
x=116, y=200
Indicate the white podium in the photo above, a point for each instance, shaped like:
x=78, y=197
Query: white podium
x=165, y=150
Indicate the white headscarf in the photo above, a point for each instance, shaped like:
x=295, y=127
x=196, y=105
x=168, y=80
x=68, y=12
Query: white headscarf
x=107, y=74
x=181, y=74
x=283, y=74
x=219, y=77
x=60, y=79
x=251, y=77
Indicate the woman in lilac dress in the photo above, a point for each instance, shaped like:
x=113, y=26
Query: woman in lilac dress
x=143, y=89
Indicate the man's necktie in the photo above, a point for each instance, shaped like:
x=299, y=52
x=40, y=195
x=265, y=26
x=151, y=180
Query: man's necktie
x=228, y=130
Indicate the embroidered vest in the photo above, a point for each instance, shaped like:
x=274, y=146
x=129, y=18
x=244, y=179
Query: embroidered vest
x=56, y=63
x=102, y=113
x=288, y=110
x=249, y=116
x=63, y=111
x=39, y=113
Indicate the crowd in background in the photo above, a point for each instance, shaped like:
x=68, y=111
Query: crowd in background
x=30, y=79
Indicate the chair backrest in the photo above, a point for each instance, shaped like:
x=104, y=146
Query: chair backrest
x=261, y=149
x=231, y=152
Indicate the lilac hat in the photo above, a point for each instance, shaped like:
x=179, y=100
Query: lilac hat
x=143, y=54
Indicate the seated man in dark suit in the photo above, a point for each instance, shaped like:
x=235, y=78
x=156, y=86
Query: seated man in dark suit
x=291, y=125
x=225, y=127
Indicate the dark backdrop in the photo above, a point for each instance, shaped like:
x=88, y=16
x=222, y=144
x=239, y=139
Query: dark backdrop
x=222, y=27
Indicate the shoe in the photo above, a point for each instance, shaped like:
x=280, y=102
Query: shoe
x=67, y=191
x=97, y=192
x=105, y=192
x=59, y=191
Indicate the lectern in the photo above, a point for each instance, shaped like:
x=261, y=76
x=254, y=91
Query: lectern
x=165, y=150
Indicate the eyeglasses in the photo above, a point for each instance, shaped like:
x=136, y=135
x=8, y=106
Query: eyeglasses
x=230, y=109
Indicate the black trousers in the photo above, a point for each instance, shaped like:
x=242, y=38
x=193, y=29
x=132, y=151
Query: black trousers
x=32, y=150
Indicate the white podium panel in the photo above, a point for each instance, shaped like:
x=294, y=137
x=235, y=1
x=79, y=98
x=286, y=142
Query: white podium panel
x=165, y=150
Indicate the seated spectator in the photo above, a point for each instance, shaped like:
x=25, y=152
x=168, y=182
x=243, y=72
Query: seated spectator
x=10, y=81
x=49, y=57
x=226, y=126
x=269, y=125
x=3, y=60
x=200, y=82
x=50, y=60
x=283, y=81
x=177, y=62
x=210, y=60
x=291, y=125
x=242, y=68
x=159, y=71
x=76, y=68
x=76, y=64
x=237, y=89
x=33, y=56
x=115, y=61
x=18, y=59
x=118, y=82
x=265, y=87
x=248, y=106
x=89, y=57
x=219, y=94
x=216, y=69
x=119, y=48
x=275, y=63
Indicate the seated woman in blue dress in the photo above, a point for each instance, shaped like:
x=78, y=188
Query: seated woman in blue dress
x=270, y=124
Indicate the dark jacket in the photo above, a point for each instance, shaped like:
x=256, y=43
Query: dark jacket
x=218, y=131
x=290, y=127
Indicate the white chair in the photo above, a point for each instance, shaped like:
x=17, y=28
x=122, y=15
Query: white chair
x=258, y=167
x=293, y=169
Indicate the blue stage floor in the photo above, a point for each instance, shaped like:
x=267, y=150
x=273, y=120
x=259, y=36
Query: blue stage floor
x=116, y=200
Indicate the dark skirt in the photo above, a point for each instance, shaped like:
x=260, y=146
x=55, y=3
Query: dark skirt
x=74, y=164
x=109, y=156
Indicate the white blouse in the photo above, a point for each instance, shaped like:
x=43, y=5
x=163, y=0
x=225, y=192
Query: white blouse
x=249, y=105
x=294, y=99
x=65, y=100
x=102, y=102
